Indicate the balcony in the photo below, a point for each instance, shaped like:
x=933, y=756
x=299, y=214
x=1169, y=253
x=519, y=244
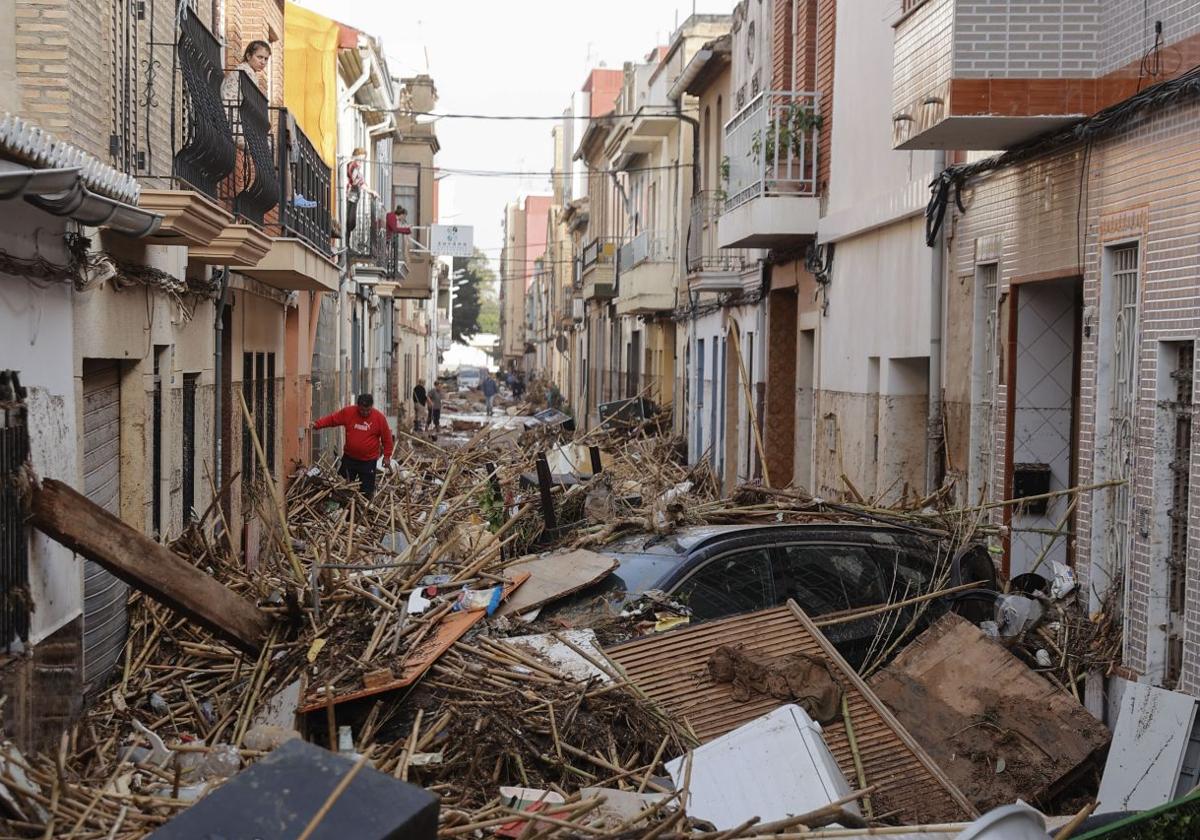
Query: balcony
x=370, y=246
x=710, y=267
x=959, y=82
x=771, y=156
x=598, y=269
x=300, y=255
x=204, y=151
x=646, y=279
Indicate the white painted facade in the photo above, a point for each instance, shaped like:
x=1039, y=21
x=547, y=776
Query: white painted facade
x=36, y=322
x=872, y=380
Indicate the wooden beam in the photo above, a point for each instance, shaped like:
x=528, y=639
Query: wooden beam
x=70, y=518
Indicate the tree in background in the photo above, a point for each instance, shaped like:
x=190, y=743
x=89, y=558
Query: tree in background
x=474, y=286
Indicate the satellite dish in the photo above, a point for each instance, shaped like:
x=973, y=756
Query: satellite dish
x=560, y=343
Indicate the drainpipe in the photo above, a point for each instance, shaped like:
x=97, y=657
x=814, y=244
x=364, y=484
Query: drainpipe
x=934, y=438
x=219, y=365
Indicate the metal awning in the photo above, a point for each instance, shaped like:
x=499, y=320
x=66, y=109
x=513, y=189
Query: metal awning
x=62, y=192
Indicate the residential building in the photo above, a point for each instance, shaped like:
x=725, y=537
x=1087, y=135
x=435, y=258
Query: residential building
x=878, y=329
x=1071, y=300
x=184, y=208
x=181, y=306
x=525, y=236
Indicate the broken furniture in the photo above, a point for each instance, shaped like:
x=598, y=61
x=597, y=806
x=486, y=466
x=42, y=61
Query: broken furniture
x=279, y=798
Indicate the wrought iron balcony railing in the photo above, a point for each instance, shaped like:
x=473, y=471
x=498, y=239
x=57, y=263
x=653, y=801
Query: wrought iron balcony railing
x=703, y=252
x=207, y=154
x=367, y=236
x=305, y=188
x=771, y=146
x=255, y=181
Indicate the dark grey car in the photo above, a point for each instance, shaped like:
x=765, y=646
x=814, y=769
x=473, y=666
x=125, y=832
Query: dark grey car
x=825, y=568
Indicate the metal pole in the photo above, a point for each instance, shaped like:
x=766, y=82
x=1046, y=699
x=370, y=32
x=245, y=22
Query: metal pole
x=934, y=438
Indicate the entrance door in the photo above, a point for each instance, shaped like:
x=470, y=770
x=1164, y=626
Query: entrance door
x=104, y=596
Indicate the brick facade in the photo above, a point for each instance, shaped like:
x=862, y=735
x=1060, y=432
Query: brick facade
x=1139, y=187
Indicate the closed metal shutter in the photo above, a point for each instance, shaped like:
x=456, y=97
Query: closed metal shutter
x=104, y=596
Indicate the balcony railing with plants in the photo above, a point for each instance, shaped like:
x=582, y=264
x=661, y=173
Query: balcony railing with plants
x=646, y=246
x=304, y=186
x=253, y=189
x=771, y=147
x=703, y=252
x=206, y=152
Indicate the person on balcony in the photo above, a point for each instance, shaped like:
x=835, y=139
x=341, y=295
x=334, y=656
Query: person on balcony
x=254, y=62
x=397, y=226
x=367, y=437
x=356, y=184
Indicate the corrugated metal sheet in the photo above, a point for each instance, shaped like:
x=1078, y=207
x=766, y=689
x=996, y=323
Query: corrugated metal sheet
x=672, y=670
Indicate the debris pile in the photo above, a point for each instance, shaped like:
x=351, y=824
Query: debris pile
x=467, y=631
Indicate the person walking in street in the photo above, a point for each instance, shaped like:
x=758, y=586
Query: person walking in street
x=489, y=392
x=419, y=398
x=435, y=407
x=367, y=437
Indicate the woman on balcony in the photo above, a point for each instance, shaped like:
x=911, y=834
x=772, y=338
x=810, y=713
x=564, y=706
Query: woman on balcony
x=254, y=61
x=356, y=182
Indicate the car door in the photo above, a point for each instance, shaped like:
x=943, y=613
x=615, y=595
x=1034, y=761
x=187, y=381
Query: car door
x=733, y=582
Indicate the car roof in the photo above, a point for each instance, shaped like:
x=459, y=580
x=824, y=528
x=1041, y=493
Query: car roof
x=685, y=540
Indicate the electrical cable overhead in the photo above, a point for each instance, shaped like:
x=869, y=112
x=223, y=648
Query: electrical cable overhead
x=532, y=117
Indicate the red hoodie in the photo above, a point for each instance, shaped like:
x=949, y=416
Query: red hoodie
x=363, y=434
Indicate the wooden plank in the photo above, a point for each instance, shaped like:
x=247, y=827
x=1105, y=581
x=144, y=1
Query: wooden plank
x=87, y=529
x=556, y=575
x=971, y=703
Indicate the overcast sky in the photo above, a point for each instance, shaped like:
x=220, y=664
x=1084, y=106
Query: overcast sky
x=517, y=57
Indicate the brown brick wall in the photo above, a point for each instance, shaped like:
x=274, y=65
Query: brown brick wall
x=1141, y=178
x=782, y=44
x=826, y=33
x=85, y=72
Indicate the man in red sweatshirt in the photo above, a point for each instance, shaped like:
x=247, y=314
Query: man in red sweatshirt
x=367, y=437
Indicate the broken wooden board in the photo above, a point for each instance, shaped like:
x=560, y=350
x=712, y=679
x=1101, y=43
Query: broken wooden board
x=69, y=517
x=555, y=576
x=996, y=728
x=450, y=629
x=671, y=669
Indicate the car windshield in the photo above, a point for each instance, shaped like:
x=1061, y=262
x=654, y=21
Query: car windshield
x=636, y=574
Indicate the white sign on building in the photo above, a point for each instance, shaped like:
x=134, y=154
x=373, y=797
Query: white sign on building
x=452, y=240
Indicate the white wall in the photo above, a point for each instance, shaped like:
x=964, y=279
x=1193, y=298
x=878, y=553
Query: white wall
x=36, y=325
x=870, y=183
x=878, y=304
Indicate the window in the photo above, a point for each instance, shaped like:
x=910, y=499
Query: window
x=828, y=578
x=14, y=537
x=190, y=381
x=732, y=583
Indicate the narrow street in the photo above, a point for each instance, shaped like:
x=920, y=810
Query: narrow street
x=733, y=420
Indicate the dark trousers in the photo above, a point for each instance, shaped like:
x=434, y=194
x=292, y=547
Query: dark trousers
x=435, y=418
x=363, y=471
